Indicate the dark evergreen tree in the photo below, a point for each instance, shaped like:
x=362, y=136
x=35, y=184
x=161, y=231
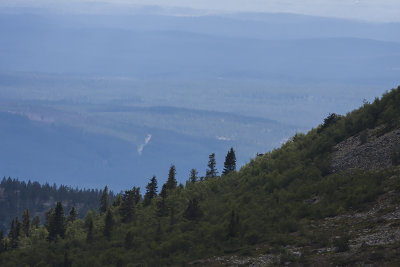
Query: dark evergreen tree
x=193, y=176
x=26, y=223
x=14, y=232
x=67, y=261
x=127, y=207
x=233, y=226
x=117, y=201
x=161, y=205
x=211, y=171
x=193, y=211
x=171, y=182
x=128, y=242
x=89, y=235
x=104, y=200
x=230, y=162
x=36, y=222
x=73, y=215
x=57, y=223
x=151, y=191
x=137, y=195
x=108, y=224
x=49, y=218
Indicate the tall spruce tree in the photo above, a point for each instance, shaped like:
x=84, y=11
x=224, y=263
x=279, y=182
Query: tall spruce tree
x=26, y=223
x=171, y=182
x=57, y=223
x=230, y=162
x=233, y=226
x=73, y=215
x=14, y=232
x=137, y=195
x=127, y=207
x=193, y=176
x=211, y=171
x=35, y=222
x=108, y=224
x=193, y=211
x=90, y=226
x=151, y=190
x=161, y=205
x=104, y=200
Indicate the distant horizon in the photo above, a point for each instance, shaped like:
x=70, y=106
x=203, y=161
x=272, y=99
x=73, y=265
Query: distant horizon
x=385, y=11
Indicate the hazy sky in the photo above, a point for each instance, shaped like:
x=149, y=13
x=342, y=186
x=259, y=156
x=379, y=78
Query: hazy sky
x=372, y=10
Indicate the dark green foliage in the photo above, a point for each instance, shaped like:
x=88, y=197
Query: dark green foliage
x=331, y=119
x=90, y=230
x=193, y=176
x=151, y=191
x=73, y=215
x=233, y=226
x=230, y=162
x=14, y=233
x=117, y=200
x=136, y=192
x=56, y=224
x=35, y=222
x=211, y=171
x=171, y=182
x=26, y=223
x=128, y=241
x=277, y=195
x=127, y=207
x=67, y=262
x=108, y=224
x=193, y=211
x=162, y=208
x=104, y=200
x=18, y=196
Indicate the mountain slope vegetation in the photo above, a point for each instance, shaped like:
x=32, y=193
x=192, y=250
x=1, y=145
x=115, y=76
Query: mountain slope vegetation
x=288, y=203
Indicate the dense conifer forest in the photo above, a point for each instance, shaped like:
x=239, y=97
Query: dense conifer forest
x=17, y=196
x=267, y=206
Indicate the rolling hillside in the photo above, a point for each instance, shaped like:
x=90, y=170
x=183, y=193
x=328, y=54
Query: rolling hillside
x=292, y=205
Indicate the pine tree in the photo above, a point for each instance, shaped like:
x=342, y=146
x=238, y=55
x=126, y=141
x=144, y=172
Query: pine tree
x=36, y=222
x=108, y=224
x=161, y=205
x=89, y=236
x=151, y=191
x=193, y=211
x=193, y=176
x=127, y=207
x=57, y=223
x=128, y=240
x=211, y=171
x=104, y=200
x=49, y=218
x=171, y=182
x=26, y=223
x=117, y=201
x=137, y=195
x=67, y=261
x=73, y=215
x=230, y=162
x=233, y=225
x=14, y=232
